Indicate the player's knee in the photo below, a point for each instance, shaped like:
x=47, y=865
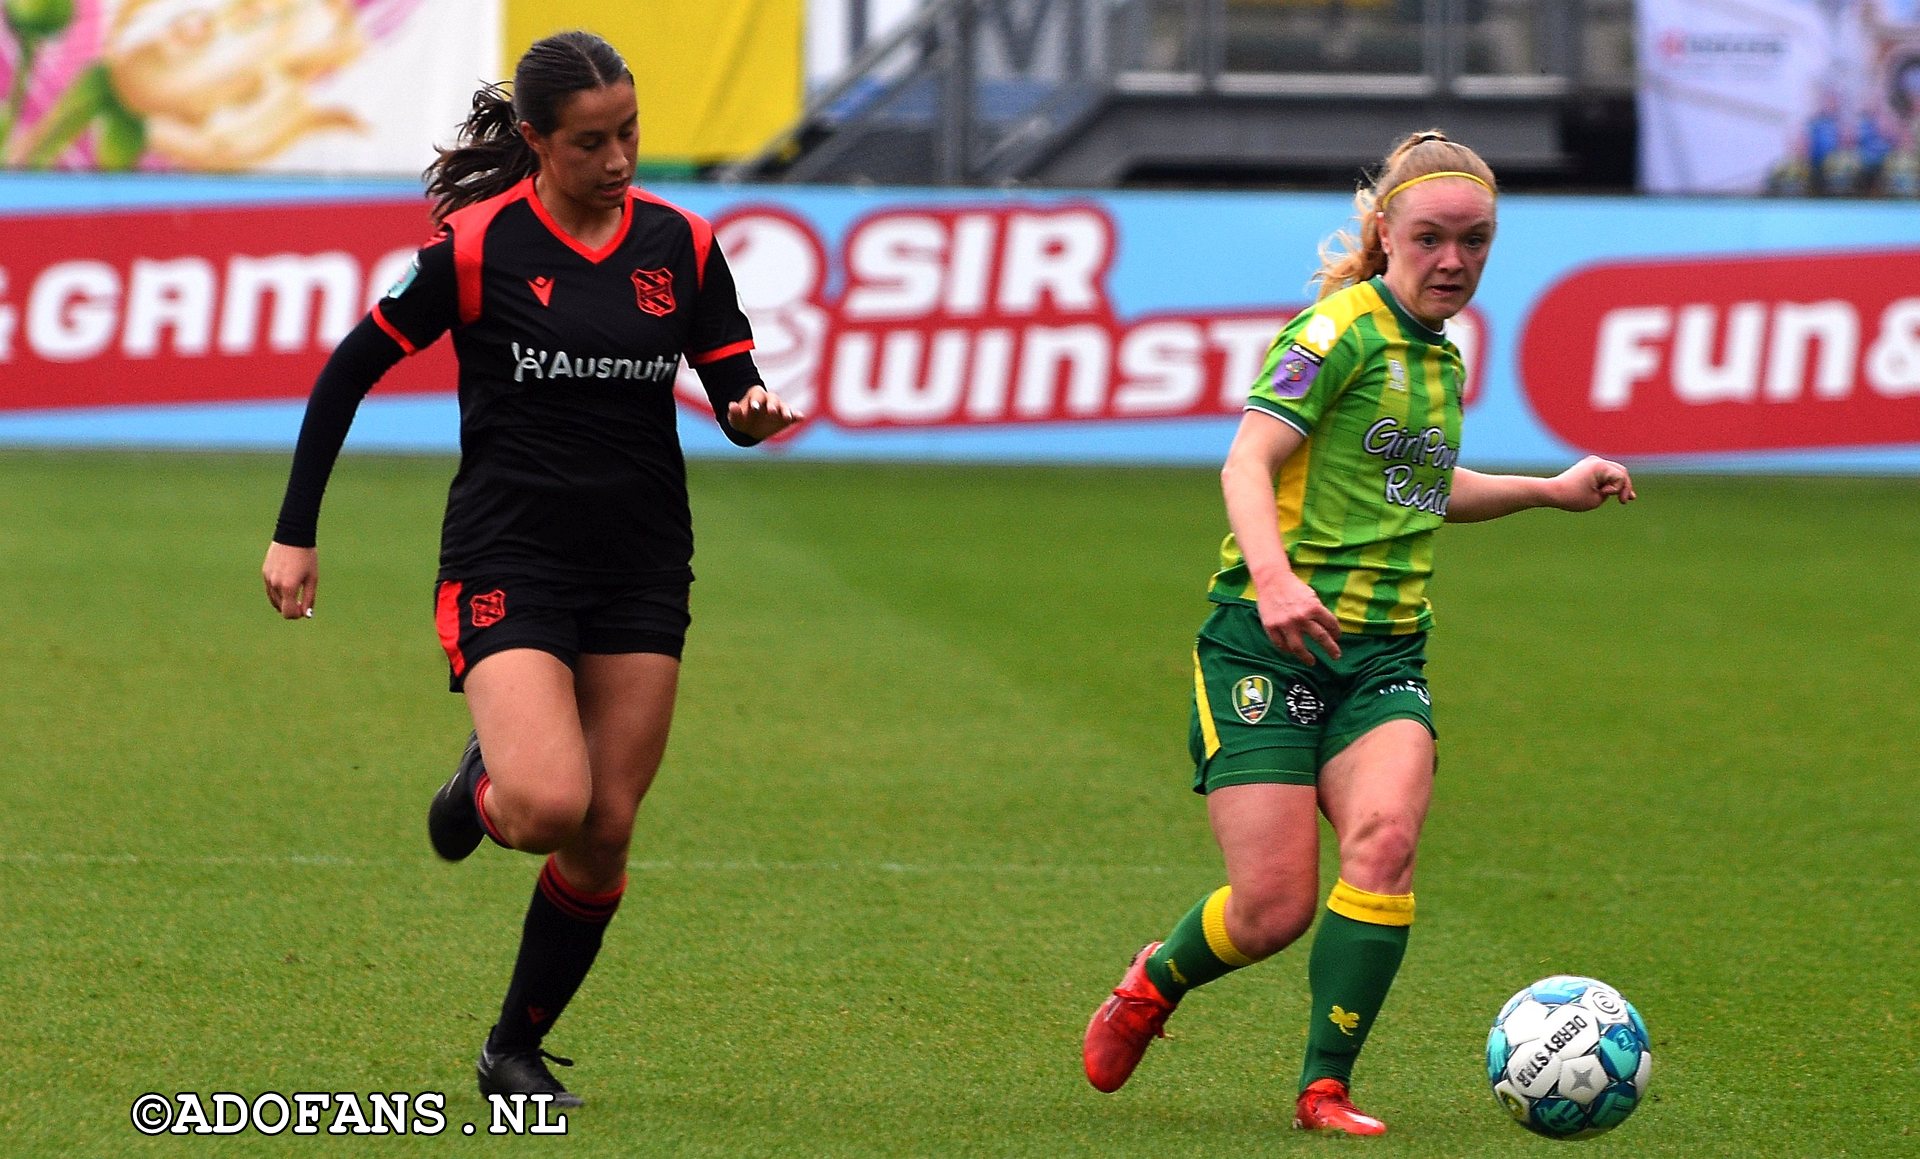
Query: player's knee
x=540, y=820
x=1380, y=856
x=1266, y=923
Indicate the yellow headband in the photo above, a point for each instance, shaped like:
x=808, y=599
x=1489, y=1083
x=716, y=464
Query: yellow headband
x=1395, y=191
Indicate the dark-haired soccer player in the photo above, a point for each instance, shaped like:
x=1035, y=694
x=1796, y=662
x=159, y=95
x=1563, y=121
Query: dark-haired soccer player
x=1309, y=685
x=564, y=560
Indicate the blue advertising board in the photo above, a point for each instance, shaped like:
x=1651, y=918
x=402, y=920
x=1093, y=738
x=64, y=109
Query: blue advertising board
x=1004, y=326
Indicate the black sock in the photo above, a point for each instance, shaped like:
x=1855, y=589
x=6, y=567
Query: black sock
x=557, y=947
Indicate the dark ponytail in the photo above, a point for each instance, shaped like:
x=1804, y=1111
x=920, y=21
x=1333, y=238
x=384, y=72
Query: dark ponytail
x=491, y=156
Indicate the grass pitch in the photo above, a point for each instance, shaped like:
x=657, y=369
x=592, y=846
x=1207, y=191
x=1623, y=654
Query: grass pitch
x=926, y=795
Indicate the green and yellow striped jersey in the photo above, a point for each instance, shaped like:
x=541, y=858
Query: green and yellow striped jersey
x=1377, y=395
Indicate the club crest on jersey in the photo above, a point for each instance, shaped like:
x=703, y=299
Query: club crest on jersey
x=488, y=608
x=1252, y=696
x=1303, y=707
x=1294, y=373
x=1396, y=375
x=653, y=290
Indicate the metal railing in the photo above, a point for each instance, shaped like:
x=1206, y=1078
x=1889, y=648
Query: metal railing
x=976, y=91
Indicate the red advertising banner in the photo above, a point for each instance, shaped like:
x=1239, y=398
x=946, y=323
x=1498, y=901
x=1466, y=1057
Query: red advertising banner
x=197, y=305
x=1729, y=354
x=987, y=315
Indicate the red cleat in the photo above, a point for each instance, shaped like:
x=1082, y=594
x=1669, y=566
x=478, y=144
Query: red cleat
x=1124, y=1026
x=1324, y=1106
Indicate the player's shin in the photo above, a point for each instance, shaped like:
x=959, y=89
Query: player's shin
x=561, y=938
x=1198, y=950
x=1356, y=953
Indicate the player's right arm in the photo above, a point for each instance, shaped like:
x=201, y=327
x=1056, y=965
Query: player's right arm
x=415, y=312
x=1290, y=611
x=1307, y=367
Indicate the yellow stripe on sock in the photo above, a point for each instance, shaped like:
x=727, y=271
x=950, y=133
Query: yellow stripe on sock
x=1213, y=921
x=1378, y=909
x=1210, y=734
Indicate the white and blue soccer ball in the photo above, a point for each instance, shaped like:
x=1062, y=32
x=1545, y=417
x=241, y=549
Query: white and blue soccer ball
x=1568, y=1057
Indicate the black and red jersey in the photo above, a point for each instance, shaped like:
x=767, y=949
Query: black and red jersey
x=570, y=462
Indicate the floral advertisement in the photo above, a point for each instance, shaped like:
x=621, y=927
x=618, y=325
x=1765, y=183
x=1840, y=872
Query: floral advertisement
x=359, y=87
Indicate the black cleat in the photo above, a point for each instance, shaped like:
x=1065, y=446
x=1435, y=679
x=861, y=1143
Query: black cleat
x=522, y=1073
x=453, y=821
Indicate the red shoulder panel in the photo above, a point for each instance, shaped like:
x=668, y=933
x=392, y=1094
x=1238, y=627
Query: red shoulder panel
x=469, y=240
x=702, y=232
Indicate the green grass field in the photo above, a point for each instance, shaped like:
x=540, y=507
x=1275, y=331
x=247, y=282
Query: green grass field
x=926, y=795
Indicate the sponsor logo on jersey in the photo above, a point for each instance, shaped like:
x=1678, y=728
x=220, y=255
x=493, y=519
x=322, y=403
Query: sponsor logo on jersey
x=1414, y=686
x=487, y=608
x=1252, y=696
x=400, y=285
x=549, y=365
x=542, y=288
x=1294, y=373
x=1303, y=707
x=653, y=291
x=1407, y=450
x=1396, y=375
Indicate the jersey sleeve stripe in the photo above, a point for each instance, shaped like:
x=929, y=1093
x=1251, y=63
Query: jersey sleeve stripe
x=1267, y=408
x=711, y=356
x=392, y=331
x=702, y=233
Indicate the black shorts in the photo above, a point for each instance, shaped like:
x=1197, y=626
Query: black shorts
x=478, y=617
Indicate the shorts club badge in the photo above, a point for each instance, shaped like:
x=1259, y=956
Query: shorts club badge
x=488, y=608
x=1252, y=696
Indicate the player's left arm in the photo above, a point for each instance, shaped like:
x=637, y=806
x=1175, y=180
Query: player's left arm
x=1582, y=487
x=720, y=352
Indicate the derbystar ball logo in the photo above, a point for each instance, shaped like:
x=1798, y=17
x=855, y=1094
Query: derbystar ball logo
x=1729, y=354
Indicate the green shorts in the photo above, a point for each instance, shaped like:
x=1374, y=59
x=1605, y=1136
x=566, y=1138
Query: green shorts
x=1262, y=717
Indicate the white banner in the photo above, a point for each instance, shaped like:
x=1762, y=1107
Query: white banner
x=1789, y=97
x=837, y=31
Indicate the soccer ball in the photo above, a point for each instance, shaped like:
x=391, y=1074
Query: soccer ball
x=1569, y=1057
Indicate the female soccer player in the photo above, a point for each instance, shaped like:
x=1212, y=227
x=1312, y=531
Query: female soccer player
x=1309, y=691
x=564, y=559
